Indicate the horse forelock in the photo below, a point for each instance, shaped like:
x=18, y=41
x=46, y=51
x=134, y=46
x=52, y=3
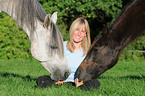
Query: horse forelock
x=56, y=40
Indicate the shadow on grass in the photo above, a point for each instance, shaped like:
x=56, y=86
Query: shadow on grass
x=124, y=77
x=27, y=77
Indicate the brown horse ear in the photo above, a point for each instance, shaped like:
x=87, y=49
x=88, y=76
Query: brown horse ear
x=47, y=21
x=105, y=30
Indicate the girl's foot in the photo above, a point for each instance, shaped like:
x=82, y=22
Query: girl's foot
x=91, y=84
x=44, y=81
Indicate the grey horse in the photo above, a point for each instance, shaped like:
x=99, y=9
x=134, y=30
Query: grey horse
x=45, y=37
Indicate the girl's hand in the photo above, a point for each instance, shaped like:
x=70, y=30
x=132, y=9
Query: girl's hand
x=60, y=82
x=78, y=83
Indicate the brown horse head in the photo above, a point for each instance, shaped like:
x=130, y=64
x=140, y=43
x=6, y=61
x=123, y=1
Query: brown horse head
x=107, y=47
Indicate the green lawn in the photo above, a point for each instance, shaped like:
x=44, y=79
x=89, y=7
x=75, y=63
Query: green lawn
x=17, y=78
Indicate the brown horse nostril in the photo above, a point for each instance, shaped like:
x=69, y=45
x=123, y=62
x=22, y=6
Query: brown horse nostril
x=79, y=71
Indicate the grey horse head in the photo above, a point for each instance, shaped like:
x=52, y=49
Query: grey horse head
x=45, y=37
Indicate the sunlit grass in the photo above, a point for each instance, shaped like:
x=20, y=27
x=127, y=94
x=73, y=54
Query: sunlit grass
x=17, y=78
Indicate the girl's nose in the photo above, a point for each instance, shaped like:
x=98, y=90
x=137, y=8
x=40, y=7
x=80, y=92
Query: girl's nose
x=79, y=32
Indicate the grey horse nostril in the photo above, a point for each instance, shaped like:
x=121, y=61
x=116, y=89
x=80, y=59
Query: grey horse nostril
x=66, y=74
x=56, y=73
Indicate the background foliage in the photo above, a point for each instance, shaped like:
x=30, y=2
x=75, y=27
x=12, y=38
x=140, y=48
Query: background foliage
x=14, y=43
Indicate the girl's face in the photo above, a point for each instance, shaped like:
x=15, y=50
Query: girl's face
x=79, y=34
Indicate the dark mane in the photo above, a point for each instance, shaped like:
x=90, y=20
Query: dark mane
x=124, y=31
x=124, y=10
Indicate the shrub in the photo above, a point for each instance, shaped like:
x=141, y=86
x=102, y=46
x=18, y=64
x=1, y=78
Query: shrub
x=16, y=45
x=14, y=41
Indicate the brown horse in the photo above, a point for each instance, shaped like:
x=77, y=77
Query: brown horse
x=107, y=48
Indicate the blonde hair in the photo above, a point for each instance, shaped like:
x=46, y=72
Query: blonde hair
x=86, y=42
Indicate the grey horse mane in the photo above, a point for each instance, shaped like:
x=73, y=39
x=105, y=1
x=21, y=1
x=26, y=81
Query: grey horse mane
x=27, y=11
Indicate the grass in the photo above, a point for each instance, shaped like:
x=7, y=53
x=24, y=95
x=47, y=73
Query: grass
x=17, y=78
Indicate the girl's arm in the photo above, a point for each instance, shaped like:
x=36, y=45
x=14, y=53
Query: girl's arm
x=60, y=82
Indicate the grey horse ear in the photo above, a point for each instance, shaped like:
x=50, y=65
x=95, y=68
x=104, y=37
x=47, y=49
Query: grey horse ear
x=54, y=17
x=47, y=20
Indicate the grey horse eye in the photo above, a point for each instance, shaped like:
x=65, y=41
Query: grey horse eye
x=54, y=47
x=43, y=26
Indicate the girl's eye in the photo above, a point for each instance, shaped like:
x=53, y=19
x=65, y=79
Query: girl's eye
x=83, y=31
